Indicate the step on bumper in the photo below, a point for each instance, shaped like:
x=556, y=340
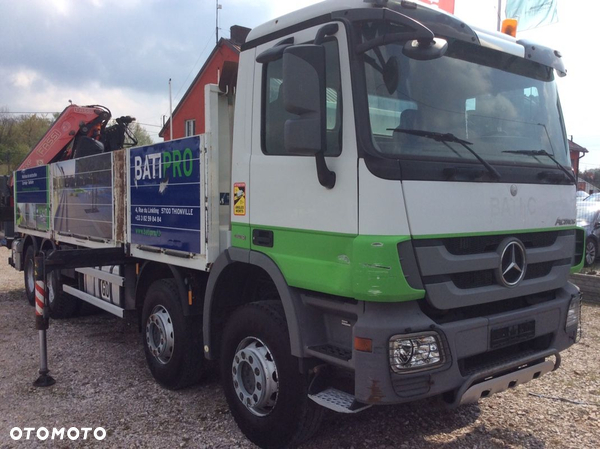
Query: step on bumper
x=338, y=401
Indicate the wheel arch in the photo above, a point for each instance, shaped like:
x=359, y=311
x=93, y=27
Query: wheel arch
x=153, y=271
x=230, y=274
x=47, y=244
x=30, y=240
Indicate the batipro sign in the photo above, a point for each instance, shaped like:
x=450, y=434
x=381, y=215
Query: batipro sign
x=164, y=183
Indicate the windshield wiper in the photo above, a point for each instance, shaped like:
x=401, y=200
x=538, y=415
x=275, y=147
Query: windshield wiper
x=535, y=153
x=449, y=137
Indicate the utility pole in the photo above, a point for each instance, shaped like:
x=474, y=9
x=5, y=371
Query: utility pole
x=217, y=21
x=499, y=15
x=170, y=112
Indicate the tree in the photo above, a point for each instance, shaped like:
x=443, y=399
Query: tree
x=137, y=131
x=142, y=136
x=18, y=135
x=592, y=176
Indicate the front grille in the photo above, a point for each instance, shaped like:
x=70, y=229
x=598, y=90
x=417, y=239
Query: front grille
x=485, y=278
x=538, y=270
x=472, y=279
x=462, y=246
x=486, y=309
x=464, y=271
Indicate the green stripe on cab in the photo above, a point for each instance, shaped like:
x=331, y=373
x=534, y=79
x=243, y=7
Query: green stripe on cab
x=364, y=267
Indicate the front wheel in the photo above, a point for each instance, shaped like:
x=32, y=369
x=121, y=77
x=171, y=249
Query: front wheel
x=591, y=251
x=172, y=341
x=263, y=386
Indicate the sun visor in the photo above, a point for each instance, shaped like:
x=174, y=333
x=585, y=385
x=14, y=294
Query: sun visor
x=544, y=55
x=440, y=23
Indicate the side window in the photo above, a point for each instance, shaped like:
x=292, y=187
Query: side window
x=274, y=114
x=190, y=128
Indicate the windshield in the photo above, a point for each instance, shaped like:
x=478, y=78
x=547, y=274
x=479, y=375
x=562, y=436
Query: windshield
x=496, y=101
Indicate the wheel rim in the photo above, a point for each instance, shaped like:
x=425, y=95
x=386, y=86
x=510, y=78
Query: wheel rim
x=30, y=276
x=590, y=252
x=51, y=293
x=160, y=334
x=254, y=375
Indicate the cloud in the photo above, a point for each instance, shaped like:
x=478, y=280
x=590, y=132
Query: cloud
x=23, y=78
x=119, y=53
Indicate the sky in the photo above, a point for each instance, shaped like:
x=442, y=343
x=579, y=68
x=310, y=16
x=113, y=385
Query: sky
x=121, y=53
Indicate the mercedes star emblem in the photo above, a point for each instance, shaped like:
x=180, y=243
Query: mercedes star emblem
x=513, y=263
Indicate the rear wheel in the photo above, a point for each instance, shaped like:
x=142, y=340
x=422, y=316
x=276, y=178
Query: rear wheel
x=172, y=341
x=591, y=251
x=264, y=388
x=60, y=304
x=29, y=274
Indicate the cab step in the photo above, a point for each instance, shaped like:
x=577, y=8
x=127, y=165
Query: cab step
x=338, y=401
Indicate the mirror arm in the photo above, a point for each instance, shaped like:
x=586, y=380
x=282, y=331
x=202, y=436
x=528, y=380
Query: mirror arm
x=326, y=176
x=325, y=31
x=276, y=52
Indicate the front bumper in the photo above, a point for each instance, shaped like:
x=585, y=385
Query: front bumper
x=472, y=368
x=473, y=389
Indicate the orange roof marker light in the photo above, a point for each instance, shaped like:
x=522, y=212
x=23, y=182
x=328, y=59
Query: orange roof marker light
x=509, y=26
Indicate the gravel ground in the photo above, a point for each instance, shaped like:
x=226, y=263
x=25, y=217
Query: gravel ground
x=102, y=381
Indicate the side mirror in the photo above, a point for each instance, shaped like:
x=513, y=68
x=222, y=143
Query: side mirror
x=425, y=49
x=304, y=95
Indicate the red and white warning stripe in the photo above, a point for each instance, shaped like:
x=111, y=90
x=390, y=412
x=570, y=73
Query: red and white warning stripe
x=40, y=288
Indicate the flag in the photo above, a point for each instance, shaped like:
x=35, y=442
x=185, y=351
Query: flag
x=446, y=5
x=532, y=13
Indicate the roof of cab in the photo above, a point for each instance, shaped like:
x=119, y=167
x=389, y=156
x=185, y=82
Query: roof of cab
x=487, y=38
x=495, y=40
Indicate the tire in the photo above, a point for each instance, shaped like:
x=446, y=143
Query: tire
x=591, y=251
x=29, y=275
x=172, y=341
x=255, y=351
x=60, y=304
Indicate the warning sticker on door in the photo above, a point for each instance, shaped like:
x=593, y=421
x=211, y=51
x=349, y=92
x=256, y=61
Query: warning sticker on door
x=239, y=198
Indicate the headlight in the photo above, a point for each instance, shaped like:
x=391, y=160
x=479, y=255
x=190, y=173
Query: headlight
x=574, y=316
x=582, y=223
x=416, y=352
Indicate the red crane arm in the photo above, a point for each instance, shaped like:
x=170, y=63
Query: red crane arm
x=72, y=121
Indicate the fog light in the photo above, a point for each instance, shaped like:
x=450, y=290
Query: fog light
x=574, y=316
x=415, y=352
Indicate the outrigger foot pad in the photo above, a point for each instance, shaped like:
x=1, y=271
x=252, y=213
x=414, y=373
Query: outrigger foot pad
x=45, y=380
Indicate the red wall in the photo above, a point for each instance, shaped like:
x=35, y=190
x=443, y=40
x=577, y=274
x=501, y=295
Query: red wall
x=575, y=161
x=446, y=5
x=192, y=106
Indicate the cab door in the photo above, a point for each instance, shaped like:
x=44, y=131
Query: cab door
x=307, y=229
